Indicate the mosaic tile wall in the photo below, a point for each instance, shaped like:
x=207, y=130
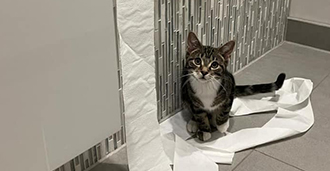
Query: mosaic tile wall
x=256, y=25
x=92, y=156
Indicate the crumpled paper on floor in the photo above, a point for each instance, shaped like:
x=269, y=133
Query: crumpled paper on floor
x=189, y=158
x=294, y=116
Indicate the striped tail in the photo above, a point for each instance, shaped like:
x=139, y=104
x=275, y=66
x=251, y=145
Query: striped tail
x=247, y=90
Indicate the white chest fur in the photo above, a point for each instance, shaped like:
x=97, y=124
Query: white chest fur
x=206, y=92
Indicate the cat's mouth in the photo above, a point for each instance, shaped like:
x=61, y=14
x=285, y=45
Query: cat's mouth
x=203, y=79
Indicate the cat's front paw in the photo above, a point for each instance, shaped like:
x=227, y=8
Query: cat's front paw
x=192, y=126
x=223, y=128
x=226, y=133
x=203, y=136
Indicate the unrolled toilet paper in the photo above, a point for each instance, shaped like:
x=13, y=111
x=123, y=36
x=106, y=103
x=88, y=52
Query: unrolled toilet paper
x=294, y=116
x=136, y=26
x=151, y=147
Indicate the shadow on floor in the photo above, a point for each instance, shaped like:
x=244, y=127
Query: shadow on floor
x=110, y=167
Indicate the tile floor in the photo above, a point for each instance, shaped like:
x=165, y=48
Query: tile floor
x=307, y=152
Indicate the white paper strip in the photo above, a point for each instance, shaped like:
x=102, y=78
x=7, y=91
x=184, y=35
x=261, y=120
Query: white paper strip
x=136, y=29
x=189, y=158
x=294, y=116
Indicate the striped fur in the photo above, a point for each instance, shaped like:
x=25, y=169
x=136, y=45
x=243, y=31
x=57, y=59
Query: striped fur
x=208, y=88
x=246, y=90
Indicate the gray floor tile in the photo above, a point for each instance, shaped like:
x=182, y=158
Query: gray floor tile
x=294, y=60
x=260, y=162
x=321, y=105
x=249, y=121
x=239, y=157
x=303, y=152
x=311, y=150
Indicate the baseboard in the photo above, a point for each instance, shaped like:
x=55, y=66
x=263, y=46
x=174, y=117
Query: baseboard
x=308, y=33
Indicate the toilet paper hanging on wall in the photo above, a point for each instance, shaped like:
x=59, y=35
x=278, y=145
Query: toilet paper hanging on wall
x=145, y=150
x=136, y=30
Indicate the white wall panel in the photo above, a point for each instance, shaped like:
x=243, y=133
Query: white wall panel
x=315, y=11
x=59, y=81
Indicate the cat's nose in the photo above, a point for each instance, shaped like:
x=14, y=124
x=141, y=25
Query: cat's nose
x=204, y=73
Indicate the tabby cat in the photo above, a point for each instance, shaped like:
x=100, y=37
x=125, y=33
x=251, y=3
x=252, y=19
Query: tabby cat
x=208, y=88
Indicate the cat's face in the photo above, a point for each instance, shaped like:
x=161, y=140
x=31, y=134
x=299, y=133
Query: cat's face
x=204, y=62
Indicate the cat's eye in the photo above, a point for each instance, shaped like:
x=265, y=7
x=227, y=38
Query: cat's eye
x=214, y=65
x=197, y=61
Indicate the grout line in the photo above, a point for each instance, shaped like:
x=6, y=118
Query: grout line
x=243, y=160
x=257, y=59
x=321, y=81
x=279, y=160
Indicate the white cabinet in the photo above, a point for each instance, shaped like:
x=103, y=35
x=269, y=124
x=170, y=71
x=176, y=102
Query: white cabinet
x=58, y=81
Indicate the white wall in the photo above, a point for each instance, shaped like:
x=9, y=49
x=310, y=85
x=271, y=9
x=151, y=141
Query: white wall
x=317, y=11
x=58, y=81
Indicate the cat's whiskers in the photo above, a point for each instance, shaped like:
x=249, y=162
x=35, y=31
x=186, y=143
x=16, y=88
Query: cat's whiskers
x=186, y=75
x=186, y=81
x=199, y=82
x=213, y=78
x=213, y=83
x=204, y=82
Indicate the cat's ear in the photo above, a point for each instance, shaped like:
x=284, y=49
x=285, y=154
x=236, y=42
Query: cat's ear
x=227, y=49
x=193, y=43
